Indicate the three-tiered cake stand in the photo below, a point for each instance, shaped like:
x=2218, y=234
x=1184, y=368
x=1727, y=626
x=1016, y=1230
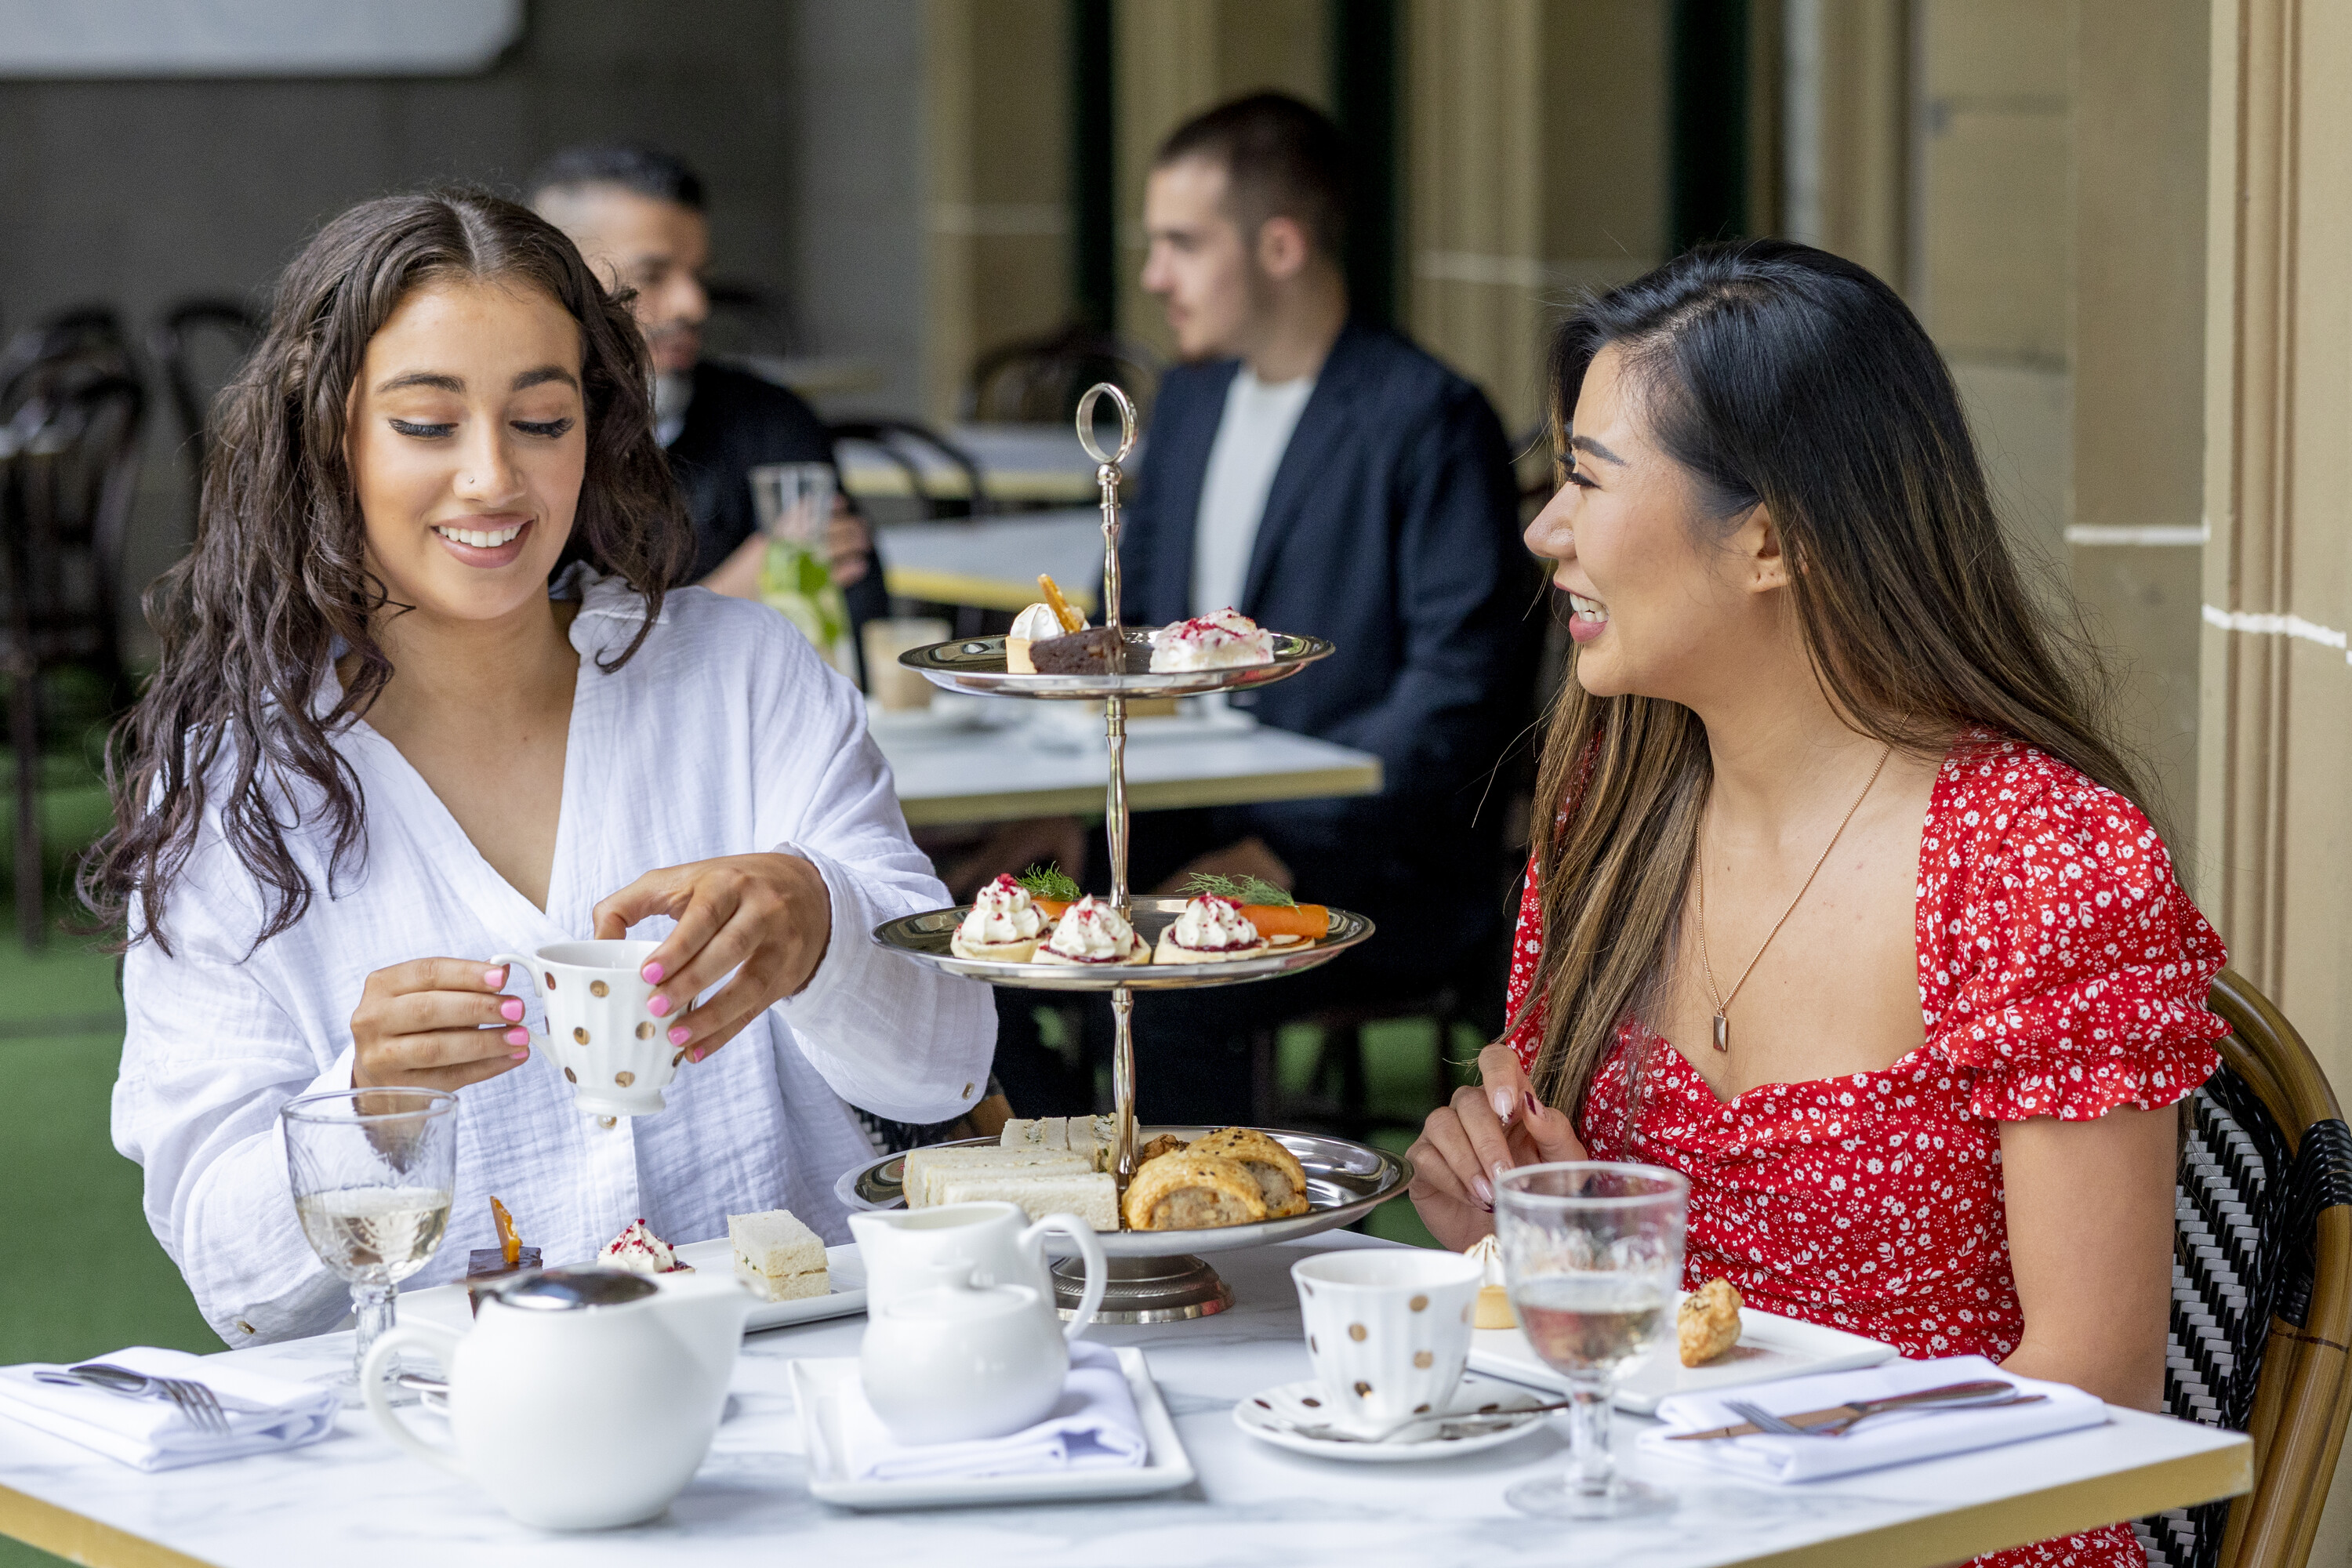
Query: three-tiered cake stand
x=1149, y=1282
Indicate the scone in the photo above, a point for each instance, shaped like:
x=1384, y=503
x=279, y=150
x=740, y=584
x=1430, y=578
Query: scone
x=1193, y=1192
x=1281, y=1180
x=1707, y=1322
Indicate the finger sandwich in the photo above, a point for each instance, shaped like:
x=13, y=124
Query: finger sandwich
x=927, y=1169
x=779, y=1259
x=1092, y=1195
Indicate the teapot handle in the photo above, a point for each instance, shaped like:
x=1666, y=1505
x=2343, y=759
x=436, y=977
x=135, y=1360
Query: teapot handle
x=438, y=1343
x=1082, y=1236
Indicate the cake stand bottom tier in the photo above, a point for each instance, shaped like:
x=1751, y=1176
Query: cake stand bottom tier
x=1144, y=1290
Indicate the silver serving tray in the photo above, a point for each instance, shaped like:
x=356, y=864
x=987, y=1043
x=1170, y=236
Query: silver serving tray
x=926, y=937
x=1345, y=1182
x=977, y=665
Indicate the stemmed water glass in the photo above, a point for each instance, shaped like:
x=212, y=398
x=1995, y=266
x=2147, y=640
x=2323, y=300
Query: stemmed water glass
x=1592, y=1254
x=373, y=1173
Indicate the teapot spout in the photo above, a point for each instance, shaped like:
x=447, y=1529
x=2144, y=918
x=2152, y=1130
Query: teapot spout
x=705, y=1312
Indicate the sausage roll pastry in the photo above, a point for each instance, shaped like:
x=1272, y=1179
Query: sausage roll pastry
x=1281, y=1180
x=1192, y=1192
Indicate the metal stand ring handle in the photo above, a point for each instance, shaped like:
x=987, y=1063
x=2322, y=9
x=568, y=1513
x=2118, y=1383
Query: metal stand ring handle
x=1086, y=423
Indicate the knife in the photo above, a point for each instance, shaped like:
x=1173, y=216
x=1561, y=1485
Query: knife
x=1857, y=1408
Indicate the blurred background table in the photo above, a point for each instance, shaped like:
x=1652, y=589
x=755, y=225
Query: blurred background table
x=1019, y=465
x=992, y=562
x=956, y=764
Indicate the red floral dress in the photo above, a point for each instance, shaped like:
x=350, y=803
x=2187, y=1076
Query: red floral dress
x=2063, y=972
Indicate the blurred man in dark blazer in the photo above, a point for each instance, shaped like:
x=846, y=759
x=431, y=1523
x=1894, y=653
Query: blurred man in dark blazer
x=636, y=213
x=1327, y=477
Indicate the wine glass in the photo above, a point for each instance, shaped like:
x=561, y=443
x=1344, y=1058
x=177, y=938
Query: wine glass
x=373, y=1173
x=1592, y=1254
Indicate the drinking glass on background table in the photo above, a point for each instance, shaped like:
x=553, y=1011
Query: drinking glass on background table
x=894, y=688
x=794, y=503
x=1592, y=1253
x=372, y=1172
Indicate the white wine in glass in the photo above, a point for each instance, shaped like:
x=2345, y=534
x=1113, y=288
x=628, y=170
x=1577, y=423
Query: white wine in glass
x=372, y=1172
x=1592, y=1254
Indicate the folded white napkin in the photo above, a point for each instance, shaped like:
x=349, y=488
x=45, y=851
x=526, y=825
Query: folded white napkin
x=264, y=1413
x=1899, y=1437
x=1093, y=1427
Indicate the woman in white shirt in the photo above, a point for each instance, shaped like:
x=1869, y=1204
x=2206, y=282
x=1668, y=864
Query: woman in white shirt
x=424, y=698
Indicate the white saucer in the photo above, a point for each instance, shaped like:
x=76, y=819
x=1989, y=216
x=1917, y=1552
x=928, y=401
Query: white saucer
x=1264, y=1416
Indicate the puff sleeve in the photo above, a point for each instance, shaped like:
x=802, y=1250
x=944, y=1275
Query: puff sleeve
x=2062, y=964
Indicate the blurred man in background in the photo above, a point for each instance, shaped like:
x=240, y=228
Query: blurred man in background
x=636, y=213
x=1325, y=477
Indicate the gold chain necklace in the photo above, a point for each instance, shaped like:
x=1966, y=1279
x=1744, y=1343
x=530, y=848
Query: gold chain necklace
x=1722, y=1002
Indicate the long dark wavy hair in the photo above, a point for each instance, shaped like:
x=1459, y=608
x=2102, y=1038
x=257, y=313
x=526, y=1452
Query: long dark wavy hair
x=1777, y=374
x=277, y=580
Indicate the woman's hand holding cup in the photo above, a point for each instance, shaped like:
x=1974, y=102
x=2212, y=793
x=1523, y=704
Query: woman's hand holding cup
x=1493, y=1126
x=767, y=918
x=436, y=1023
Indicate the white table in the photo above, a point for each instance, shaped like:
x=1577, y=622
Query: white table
x=1021, y=463
x=1048, y=759
x=356, y=1501
x=993, y=562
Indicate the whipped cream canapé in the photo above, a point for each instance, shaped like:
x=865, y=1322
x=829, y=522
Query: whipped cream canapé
x=1211, y=929
x=1092, y=932
x=1223, y=639
x=640, y=1251
x=1003, y=925
x=1032, y=626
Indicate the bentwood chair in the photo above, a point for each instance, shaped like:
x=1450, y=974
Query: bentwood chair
x=1039, y=381
x=900, y=441
x=2261, y=1290
x=198, y=344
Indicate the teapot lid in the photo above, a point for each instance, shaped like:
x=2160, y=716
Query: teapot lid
x=575, y=1290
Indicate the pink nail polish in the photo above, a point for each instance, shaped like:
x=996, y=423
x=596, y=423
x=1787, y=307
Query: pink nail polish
x=652, y=973
x=511, y=1009
x=518, y=1037
x=1502, y=1099
x=659, y=1007
x=695, y=1055
x=523, y=1055
x=494, y=978
x=1482, y=1192
x=678, y=1036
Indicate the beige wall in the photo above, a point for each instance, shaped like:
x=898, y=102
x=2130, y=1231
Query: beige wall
x=1520, y=195
x=2274, y=813
x=997, y=255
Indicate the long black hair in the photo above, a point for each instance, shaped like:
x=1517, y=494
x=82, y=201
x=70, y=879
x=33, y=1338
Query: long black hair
x=1777, y=374
x=277, y=578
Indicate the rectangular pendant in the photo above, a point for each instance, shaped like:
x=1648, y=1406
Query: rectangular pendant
x=1722, y=1032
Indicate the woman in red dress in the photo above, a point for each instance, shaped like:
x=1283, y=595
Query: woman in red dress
x=1850, y=913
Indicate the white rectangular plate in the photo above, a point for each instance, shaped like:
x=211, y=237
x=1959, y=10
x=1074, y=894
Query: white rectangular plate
x=1769, y=1348
x=817, y=1384
x=448, y=1303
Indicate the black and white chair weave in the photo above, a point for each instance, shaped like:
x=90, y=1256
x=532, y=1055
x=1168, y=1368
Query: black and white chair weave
x=2242, y=1255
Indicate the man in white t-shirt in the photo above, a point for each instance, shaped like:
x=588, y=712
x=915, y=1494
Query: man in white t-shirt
x=1324, y=476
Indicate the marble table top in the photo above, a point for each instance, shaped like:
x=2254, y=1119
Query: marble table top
x=356, y=1501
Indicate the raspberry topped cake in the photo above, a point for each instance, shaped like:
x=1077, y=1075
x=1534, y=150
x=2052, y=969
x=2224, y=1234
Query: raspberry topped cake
x=1223, y=639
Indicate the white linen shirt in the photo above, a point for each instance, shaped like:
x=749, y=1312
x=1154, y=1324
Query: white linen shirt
x=725, y=734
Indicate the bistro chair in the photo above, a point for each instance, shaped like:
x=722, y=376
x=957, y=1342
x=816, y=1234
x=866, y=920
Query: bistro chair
x=68, y=470
x=1039, y=381
x=178, y=344
x=900, y=441
x=2261, y=1290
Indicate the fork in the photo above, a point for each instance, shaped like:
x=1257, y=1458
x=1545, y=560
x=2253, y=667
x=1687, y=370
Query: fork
x=1765, y=1421
x=193, y=1399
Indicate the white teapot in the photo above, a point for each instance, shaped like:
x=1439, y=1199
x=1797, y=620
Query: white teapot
x=957, y=1361
x=583, y=1398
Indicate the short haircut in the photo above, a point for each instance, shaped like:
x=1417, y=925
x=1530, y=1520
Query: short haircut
x=1282, y=158
x=637, y=166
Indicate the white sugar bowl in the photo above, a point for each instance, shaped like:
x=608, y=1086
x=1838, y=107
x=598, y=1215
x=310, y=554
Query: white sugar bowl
x=960, y=1362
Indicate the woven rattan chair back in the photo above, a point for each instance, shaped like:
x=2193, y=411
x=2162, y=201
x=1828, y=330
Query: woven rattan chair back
x=2261, y=1290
